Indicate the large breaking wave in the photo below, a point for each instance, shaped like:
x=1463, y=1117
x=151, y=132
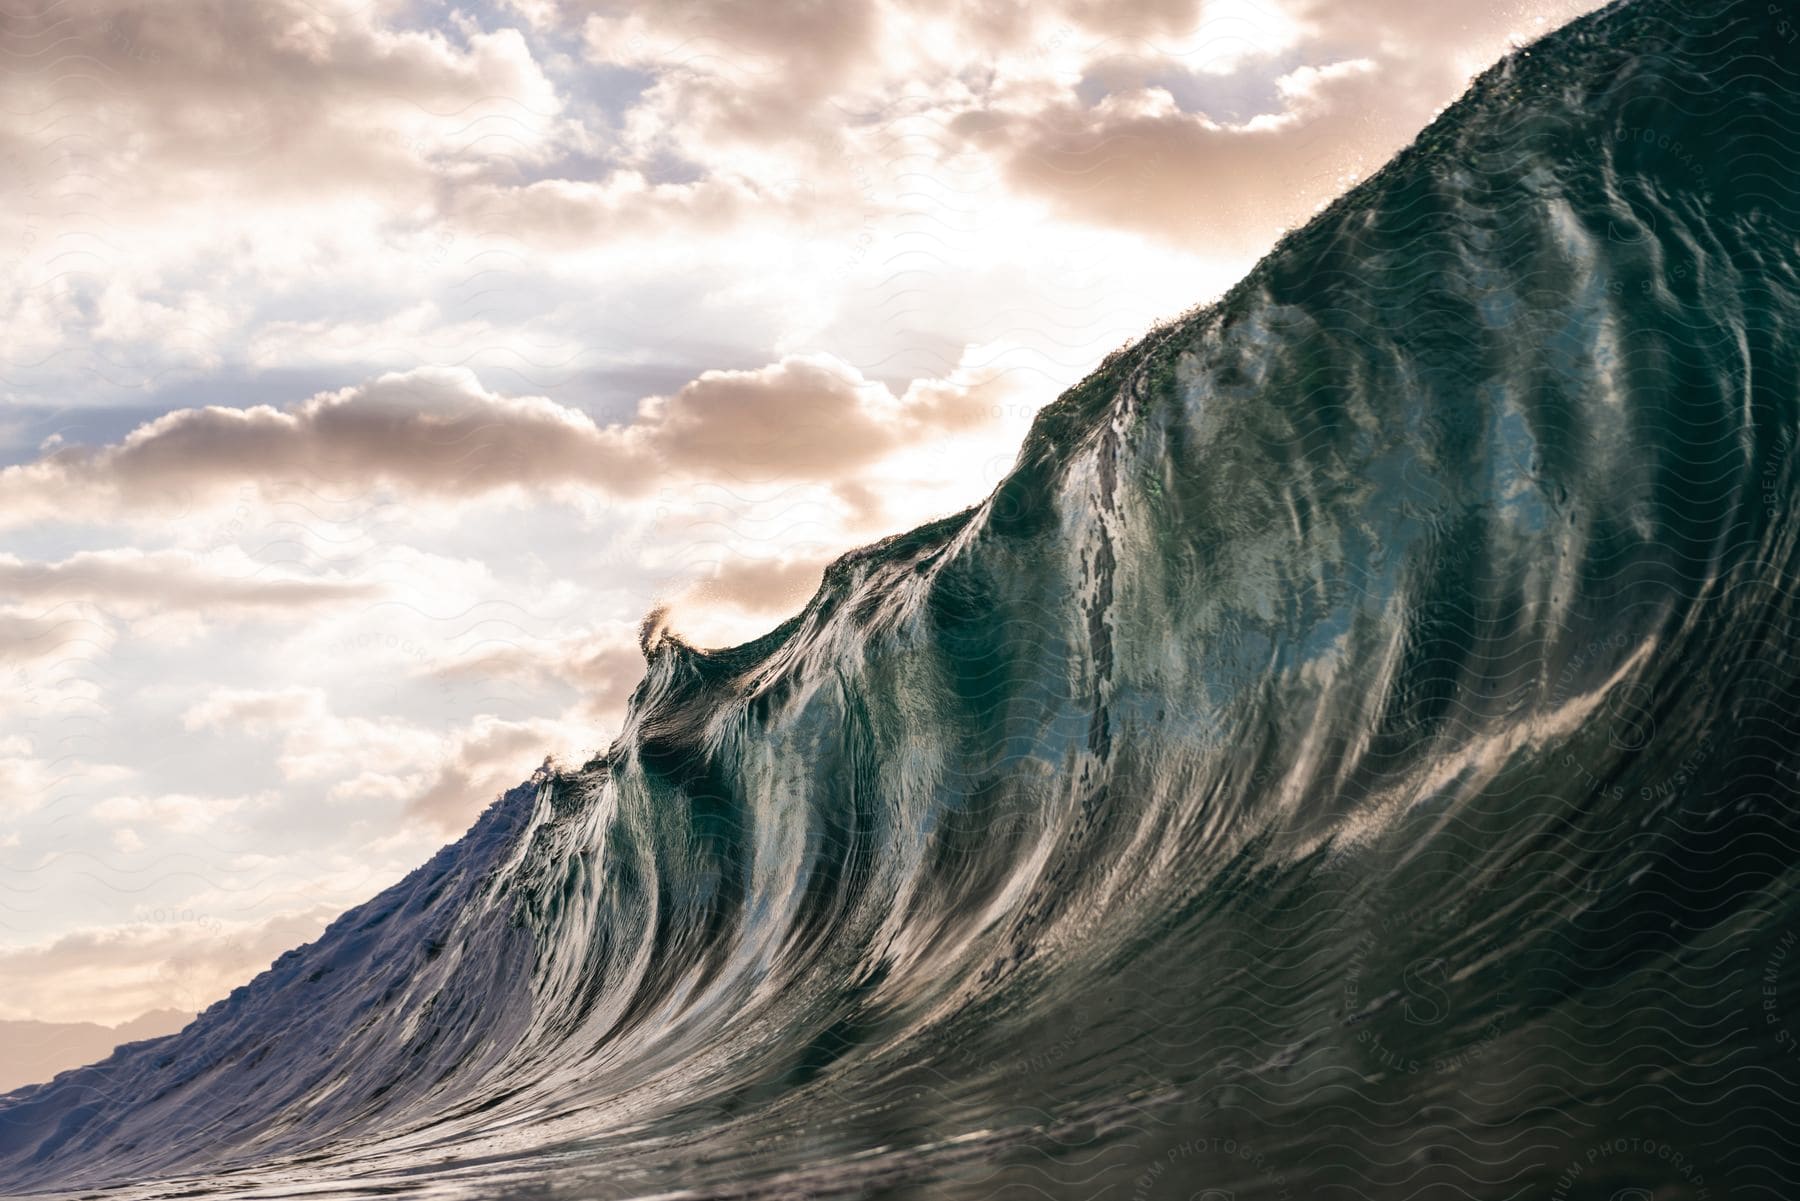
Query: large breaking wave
x=1352, y=754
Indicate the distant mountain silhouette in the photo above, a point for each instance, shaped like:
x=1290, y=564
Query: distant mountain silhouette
x=32, y=1052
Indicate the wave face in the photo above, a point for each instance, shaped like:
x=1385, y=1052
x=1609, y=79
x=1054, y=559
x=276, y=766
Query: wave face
x=1354, y=753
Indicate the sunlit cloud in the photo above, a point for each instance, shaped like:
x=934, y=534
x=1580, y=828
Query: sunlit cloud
x=438, y=433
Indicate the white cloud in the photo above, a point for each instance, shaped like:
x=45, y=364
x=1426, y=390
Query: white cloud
x=176, y=813
x=30, y=783
x=255, y=712
x=444, y=778
x=316, y=744
x=135, y=582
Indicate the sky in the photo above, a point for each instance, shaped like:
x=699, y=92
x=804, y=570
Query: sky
x=368, y=370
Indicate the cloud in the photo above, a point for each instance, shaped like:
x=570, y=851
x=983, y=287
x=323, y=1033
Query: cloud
x=293, y=98
x=443, y=778
x=1207, y=125
x=432, y=432
x=760, y=587
x=29, y=784
x=1136, y=160
x=602, y=666
x=763, y=586
x=743, y=595
x=335, y=747
x=59, y=619
x=47, y=639
x=487, y=758
x=739, y=75
x=254, y=711
x=1359, y=80
x=316, y=744
x=810, y=417
x=602, y=215
x=240, y=164
x=110, y=974
x=135, y=581
x=734, y=82
x=178, y=813
x=438, y=434
x=1452, y=34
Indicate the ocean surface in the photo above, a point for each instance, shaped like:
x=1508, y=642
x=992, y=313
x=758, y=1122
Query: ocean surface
x=1354, y=754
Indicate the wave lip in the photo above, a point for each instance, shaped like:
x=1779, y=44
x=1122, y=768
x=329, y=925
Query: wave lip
x=1353, y=751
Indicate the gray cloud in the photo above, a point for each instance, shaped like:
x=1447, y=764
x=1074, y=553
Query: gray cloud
x=806, y=417
x=1137, y=162
x=60, y=635
x=602, y=668
x=739, y=71
x=432, y=433
x=437, y=433
x=1374, y=73
x=488, y=758
x=761, y=586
